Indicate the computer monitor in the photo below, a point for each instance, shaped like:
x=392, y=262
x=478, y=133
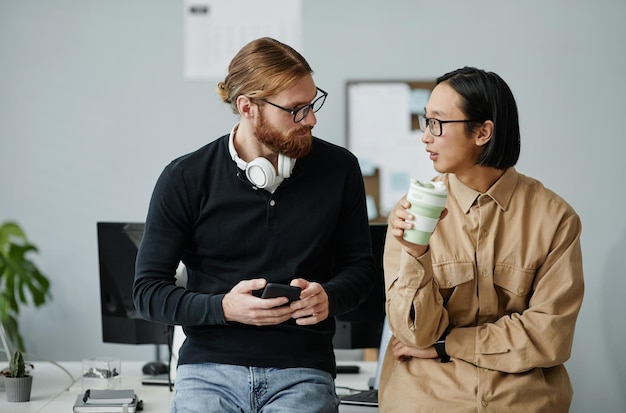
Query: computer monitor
x=117, y=247
x=363, y=326
x=118, y=243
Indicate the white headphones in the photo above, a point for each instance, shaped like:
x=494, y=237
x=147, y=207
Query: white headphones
x=260, y=171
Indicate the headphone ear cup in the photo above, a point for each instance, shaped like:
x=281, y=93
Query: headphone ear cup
x=285, y=165
x=261, y=172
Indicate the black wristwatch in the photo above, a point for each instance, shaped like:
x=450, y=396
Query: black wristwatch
x=440, y=347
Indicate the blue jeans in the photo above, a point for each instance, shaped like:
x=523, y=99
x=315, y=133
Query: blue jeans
x=211, y=387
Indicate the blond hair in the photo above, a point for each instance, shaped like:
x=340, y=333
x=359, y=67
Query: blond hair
x=262, y=68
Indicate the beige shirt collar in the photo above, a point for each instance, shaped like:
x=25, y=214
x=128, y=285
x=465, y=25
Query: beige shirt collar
x=501, y=191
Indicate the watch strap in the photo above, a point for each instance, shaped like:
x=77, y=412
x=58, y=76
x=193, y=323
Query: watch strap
x=440, y=347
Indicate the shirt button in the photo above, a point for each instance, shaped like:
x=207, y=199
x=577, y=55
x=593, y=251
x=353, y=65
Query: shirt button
x=272, y=202
x=485, y=233
x=484, y=403
x=485, y=273
x=520, y=290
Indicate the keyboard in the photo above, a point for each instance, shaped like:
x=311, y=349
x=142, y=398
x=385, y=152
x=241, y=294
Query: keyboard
x=364, y=398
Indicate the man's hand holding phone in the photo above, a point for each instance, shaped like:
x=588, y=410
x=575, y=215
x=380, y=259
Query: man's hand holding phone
x=242, y=304
x=312, y=307
x=307, y=302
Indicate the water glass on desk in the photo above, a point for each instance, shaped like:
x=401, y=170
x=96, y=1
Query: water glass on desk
x=102, y=373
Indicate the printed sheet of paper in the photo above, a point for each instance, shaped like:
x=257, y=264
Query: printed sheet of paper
x=215, y=30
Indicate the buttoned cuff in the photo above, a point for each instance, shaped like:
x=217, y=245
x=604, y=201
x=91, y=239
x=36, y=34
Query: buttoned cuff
x=413, y=271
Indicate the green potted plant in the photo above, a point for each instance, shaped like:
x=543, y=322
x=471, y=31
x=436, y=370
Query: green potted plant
x=17, y=381
x=21, y=281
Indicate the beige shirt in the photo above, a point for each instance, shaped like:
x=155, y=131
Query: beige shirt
x=504, y=271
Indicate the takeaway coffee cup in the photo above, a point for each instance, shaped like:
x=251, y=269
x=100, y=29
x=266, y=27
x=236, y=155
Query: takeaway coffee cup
x=427, y=200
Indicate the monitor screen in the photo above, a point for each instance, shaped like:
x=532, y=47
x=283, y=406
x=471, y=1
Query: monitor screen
x=363, y=326
x=117, y=250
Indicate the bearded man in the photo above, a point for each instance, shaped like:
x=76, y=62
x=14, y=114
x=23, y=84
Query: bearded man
x=267, y=202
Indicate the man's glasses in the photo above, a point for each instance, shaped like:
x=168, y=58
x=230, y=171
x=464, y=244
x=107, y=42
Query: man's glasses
x=302, y=112
x=435, y=125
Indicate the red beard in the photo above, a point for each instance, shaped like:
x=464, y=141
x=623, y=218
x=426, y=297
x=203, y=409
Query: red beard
x=295, y=143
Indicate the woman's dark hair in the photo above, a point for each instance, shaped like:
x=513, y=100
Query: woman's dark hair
x=485, y=96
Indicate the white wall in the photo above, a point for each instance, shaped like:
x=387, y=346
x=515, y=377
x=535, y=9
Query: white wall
x=93, y=104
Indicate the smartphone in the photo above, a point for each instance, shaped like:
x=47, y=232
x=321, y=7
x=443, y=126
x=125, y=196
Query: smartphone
x=273, y=290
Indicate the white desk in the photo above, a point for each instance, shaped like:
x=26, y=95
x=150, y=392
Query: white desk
x=55, y=392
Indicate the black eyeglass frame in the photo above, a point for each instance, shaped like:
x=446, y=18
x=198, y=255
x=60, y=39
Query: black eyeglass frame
x=426, y=122
x=305, y=109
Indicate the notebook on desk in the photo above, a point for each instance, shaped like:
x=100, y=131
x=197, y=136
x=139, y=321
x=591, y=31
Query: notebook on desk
x=83, y=405
x=370, y=397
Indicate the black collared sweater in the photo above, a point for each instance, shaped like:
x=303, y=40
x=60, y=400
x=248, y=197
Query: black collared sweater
x=205, y=213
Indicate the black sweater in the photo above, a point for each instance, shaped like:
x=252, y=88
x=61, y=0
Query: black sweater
x=205, y=212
